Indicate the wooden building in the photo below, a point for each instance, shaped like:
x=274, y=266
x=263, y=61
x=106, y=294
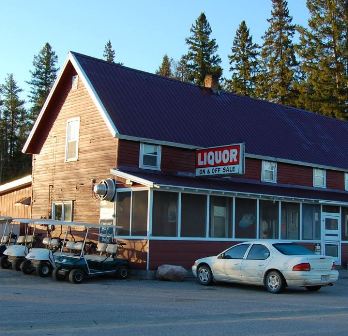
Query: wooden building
x=142, y=131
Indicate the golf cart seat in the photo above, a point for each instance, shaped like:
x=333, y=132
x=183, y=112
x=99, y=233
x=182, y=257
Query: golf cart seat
x=70, y=245
x=20, y=240
x=101, y=247
x=111, y=249
x=29, y=239
x=78, y=246
x=55, y=242
x=46, y=241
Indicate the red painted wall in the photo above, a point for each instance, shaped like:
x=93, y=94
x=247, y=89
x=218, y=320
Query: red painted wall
x=293, y=174
x=334, y=179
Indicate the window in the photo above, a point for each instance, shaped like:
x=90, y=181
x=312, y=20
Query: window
x=139, y=213
x=344, y=223
x=123, y=201
x=62, y=210
x=311, y=221
x=74, y=82
x=165, y=214
x=150, y=156
x=269, y=213
x=220, y=217
x=319, y=178
x=269, y=171
x=258, y=252
x=346, y=181
x=72, y=139
x=236, y=252
x=292, y=249
x=245, y=218
x=193, y=215
x=290, y=224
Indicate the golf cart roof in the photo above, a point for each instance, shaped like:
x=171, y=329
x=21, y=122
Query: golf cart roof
x=4, y=219
x=41, y=221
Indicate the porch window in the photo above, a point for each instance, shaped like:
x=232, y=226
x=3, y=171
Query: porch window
x=245, y=218
x=150, y=156
x=165, y=214
x=290, y=224
x=62, y=210
x=311, y=222
x=269, y=219
x=319, y=178
x=123, y=201
x=344, y=223
x=346, y=181
x=193, y=215
x=220, y=217
x=269, y=171
x=72, y=139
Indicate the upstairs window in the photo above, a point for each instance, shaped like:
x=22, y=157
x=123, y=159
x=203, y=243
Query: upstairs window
x=150, y=156
x=269, y=171
x=319, y=178
x=72, y=139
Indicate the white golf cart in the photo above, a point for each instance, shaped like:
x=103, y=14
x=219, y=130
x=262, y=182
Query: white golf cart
x=15, y=254
x=7, y=235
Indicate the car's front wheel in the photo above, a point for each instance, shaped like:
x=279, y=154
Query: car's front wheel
x=204, y=275
x=274, y=282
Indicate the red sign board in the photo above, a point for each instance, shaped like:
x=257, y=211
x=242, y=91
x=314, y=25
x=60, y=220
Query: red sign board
x=223, y=160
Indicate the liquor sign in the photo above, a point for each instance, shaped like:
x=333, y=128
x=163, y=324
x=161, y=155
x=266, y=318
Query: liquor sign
x=223, y=160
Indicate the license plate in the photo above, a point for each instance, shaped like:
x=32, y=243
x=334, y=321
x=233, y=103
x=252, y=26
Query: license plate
x=325, y=278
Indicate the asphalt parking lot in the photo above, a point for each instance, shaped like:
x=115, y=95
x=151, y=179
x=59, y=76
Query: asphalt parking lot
x=41, y=306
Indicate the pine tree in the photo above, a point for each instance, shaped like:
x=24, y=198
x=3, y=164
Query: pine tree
x=109, y=52
x=42, y=78
x=324, y=51
x=243, y=62
x=202, y=57
x=278, y=60
x=165, y=68
x=14, y=131
x=181, y=69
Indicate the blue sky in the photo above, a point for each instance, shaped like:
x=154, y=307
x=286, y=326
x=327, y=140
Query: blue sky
x=141, y=31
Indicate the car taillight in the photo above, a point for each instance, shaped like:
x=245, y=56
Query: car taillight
x=333, y=267
x=302, y=267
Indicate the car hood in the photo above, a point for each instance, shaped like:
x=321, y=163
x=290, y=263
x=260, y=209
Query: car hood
x=207, y=260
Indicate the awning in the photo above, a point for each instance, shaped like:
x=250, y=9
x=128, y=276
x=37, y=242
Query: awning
x=24, y=201
x=234, y=186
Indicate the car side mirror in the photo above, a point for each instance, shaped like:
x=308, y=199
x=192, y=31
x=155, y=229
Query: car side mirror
x=221, y=256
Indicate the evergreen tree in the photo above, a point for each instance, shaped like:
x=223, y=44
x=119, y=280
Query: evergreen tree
x=14, y=131
x=202, y=57
x=181, y=69
x=324, y=51
x=109, y=52
x=278, y=61
x=165, y=69
x=42, y=78
x=243, y=62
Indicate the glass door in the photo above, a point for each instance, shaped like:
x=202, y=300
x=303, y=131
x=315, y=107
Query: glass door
x=331, y=239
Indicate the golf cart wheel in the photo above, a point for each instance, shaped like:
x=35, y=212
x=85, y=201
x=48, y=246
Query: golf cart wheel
x=26, y=267
x=4, y=263
x=122, y=273
x=57, y=276
x=44, y=269
x=76, y=276
x=16, y=264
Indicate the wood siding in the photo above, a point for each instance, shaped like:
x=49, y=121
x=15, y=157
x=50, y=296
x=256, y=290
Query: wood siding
x=8, y=205
x=57, y=180
x=334, y=180
x=294, y=174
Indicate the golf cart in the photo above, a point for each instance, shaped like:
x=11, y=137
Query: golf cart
x=7, y=236
x=79, y=266
x=15, y=254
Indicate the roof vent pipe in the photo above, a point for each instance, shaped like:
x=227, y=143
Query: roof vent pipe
x=105, y=189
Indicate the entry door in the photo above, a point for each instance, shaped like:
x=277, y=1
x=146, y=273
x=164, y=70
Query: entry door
x=331, y=238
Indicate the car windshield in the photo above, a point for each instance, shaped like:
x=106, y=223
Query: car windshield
x=292, y=249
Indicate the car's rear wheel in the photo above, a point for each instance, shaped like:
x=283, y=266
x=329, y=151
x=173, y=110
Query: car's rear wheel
x=274, y=282
x=204, y=275
x=313, y=288
x=76, y=276
x=44, y=269
x=26, y=267
x=4, y=263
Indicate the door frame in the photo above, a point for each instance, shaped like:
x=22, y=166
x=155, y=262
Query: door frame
x=331, y=236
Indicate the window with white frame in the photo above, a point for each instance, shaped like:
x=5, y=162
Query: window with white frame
x=319, y=178
x=269, y=171
x=346, y=181
x=62, y=210
x=72, y=139
x=150, y=156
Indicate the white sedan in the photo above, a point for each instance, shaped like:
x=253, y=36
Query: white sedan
x=270, y=263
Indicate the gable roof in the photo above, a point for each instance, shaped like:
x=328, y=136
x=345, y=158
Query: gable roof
x=142, y=106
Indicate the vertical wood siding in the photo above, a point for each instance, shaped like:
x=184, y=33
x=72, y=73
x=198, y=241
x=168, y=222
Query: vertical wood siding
x=8, y=205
